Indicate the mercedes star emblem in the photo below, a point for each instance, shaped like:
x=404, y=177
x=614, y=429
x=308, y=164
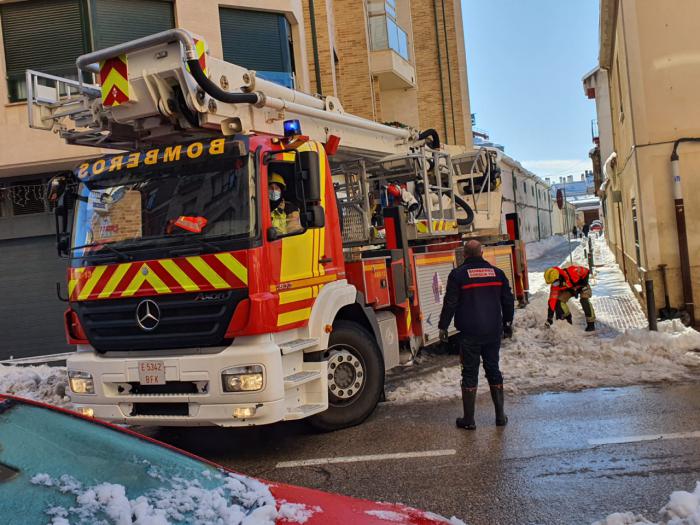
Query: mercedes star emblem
x=147, y=315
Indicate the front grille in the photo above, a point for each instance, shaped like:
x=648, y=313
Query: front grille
x=169, y=388
x=186, y=320
x=160, y=409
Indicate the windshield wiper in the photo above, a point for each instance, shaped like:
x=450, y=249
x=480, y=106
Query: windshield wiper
x=120, y=254
x=201, y=244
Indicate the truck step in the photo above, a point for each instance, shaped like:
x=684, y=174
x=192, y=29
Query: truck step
x=303, y=411
x=300, y=378
x=297, y=345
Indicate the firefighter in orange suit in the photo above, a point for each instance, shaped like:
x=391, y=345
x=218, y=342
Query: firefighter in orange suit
x=566, y=283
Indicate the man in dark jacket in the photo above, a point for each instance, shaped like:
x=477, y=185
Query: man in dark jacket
x=478, y=296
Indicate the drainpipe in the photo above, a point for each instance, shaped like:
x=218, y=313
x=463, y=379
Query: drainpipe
x=314, y=43
x=439, y=58
x=681, y=228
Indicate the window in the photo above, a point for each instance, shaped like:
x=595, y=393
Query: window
x=260, y=41
x=384, y=30
x=145, y=17
x=25, y=197
x=48, y=35
x=635, y=226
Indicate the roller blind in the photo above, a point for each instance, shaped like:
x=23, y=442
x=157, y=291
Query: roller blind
x=118, y=21
x=46, y=35
x=257, y=40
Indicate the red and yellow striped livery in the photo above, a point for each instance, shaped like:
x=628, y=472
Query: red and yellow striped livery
x=200, y=273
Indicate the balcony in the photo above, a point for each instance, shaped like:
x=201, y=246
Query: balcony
x=389, y=53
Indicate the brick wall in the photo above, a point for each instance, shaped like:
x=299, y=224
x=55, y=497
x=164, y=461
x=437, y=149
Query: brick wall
x=441, y=105
x=355, y=88
x=325, y=37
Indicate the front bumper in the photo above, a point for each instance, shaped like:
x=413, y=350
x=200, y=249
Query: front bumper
x=193, y=394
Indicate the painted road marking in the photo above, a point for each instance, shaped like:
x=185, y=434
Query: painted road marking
x=650, y=437
x=371, y=457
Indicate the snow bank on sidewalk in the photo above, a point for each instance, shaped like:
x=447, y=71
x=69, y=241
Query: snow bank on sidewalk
x=47, y=384
x=683, y=508
x=537, y=249
x=562, y=358
x=565, y=358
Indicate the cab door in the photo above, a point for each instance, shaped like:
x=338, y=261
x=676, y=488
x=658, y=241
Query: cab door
x=297, y=260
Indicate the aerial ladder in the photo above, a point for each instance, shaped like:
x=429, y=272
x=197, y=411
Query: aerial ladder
x=187, y=302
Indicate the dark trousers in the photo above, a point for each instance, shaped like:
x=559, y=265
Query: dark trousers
x=471, y=351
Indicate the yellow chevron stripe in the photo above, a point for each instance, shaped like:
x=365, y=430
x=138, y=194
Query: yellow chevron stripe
x=207, y=272
x=156, y=282
x=135, y=283
x=75, y=277
x=114, y=280
x=292, y=296
x=181, y=277
x=91, y=282
x=114, y=78
x=293, y=317
x=234, y=265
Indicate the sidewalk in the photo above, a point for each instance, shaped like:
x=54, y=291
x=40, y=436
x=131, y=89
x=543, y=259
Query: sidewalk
x=616, y=307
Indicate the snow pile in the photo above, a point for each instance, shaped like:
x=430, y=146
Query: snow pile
x=537, y=249
x=564, y=358
x=683, y=508
x=237, y=500
x=40, y=383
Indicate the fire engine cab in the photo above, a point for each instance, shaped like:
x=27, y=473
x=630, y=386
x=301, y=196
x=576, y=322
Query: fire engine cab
x=190, y=301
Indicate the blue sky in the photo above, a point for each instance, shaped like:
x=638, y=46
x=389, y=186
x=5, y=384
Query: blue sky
x=525, y=62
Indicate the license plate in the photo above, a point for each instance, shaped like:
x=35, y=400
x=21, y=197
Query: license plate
x=152, y=372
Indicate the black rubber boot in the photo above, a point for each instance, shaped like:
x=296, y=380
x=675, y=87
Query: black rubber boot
x=497, y=397
x=569, y=319
x=468, y=403
x=590, y=326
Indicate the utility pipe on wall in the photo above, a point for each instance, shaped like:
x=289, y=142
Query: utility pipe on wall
x=681, y=229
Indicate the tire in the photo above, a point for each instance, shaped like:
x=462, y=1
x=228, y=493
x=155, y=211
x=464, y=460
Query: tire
x=351, y=338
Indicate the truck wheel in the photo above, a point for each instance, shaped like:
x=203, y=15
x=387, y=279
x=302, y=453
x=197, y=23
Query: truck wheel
x=355, y=377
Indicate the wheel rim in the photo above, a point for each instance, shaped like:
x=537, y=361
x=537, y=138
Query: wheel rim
x=346, y=375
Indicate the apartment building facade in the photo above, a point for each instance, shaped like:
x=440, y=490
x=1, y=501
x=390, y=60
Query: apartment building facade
x=645, y=88
x=362, y=51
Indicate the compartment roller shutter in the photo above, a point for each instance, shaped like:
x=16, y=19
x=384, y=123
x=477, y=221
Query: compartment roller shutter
x=118, y=21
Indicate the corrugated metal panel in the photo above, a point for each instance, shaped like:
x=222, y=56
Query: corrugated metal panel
x=32, y=316
x=46, y=35
x=432, y=278
x=255, y=40
x=118, y=21
x=505, y=263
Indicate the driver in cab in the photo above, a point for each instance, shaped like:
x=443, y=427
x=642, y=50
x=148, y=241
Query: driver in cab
x=285, y=214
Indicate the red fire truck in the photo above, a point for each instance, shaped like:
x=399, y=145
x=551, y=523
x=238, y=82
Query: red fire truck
x=194, y=296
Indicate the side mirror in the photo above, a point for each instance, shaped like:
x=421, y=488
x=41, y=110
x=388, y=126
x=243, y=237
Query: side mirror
x=310, y=175
x=313, y=217
x=57, y=194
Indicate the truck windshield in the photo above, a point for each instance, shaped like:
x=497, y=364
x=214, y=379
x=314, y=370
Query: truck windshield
x=163, y=206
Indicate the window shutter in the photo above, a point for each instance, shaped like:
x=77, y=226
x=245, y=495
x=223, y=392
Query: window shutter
x=118, y=21
x=46, y=35
x=256, y=40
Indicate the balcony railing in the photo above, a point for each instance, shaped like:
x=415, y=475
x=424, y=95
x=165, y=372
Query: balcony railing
x=385, y=33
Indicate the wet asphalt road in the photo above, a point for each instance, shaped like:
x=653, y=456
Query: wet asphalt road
x=541, y=468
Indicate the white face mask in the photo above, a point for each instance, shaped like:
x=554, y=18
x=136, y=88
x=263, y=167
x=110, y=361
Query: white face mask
x=275, y=195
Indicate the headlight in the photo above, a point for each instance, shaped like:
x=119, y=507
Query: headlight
x=81, y=382
x=242, y=378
